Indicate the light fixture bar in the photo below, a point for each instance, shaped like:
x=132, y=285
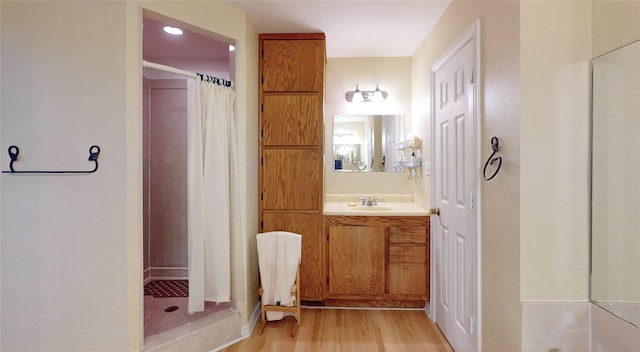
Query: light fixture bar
x=366, y=96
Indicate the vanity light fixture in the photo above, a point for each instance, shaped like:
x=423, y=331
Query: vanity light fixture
x=357, y=96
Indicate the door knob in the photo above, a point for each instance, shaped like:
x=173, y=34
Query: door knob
x=434, y=211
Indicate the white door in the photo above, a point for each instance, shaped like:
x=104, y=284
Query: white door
x=453, y=190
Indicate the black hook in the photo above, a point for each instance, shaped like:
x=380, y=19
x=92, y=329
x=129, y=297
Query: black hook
x=495, y=146
x=93, y=155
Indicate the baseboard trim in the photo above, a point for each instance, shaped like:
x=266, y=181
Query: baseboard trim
x=253, y=320
x=427, y=309
x=362, y=308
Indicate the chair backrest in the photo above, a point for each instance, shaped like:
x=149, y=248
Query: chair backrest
x=279, y=243
x=279, y=252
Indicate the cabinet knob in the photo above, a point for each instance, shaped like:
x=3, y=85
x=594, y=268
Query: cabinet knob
x=434, y=211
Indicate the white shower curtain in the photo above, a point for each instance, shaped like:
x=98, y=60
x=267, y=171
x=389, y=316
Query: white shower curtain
x=212, y=191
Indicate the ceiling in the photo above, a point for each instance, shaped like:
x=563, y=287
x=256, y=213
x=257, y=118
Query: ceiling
x=158, y=45
x=191, y=51
x=356, y=28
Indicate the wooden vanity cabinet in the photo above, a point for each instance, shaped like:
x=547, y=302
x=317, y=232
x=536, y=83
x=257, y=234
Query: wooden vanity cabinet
x=377, y=260
x=291, y=147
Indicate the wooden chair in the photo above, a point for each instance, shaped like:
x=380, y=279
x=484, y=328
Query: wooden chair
x=295, y=292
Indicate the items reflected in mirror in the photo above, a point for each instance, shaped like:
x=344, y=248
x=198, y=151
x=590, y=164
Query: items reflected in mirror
x=367, y=143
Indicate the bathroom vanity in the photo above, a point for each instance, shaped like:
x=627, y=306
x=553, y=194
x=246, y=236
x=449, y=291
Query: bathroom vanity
x=377, y=255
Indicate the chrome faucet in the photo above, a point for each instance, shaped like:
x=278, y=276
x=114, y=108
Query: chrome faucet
x=371, y=201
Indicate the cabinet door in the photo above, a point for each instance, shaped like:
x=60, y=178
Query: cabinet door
x=309, y=226
x=356, y=261
x=407, y=279
x=291, y=179
x=292, y=65
x=292, y=119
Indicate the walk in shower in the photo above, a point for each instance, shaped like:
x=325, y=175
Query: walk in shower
x=165, y=179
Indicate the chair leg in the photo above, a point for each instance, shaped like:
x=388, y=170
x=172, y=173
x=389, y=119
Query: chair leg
x=294, y=329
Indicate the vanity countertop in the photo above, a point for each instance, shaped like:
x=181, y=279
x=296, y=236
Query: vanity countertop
x=388, y=205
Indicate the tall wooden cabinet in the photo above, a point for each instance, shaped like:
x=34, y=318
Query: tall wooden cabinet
x=291, y=146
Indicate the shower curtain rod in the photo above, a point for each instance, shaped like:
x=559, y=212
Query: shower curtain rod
x=178, y=71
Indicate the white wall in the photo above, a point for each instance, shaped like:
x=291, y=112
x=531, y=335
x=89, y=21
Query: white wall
x=555, y=69
x=615, y=240
x=71, y=245
x=555, y=150
x=392, y=74
x=499, y=115
x=613, y=24
x=0, y=186
x=64, y=238
x=554, y=254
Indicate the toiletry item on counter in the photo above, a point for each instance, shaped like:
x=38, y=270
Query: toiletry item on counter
x=416, y=161
x=417, y=142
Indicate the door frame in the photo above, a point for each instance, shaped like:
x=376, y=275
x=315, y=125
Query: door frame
x=471, y=33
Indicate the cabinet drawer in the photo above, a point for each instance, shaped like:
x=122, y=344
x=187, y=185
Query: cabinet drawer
x=407, y=254
x=416, y=235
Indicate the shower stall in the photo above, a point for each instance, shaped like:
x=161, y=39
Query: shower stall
x=165, y=178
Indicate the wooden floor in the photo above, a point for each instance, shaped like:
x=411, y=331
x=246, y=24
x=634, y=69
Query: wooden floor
x=349, y=330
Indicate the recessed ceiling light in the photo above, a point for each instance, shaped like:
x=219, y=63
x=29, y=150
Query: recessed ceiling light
x=232, y=47
x=173, y=30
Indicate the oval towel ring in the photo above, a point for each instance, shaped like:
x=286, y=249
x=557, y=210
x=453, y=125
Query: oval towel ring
x=495, y=146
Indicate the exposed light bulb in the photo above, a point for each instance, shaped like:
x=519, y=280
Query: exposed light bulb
x=173, y=30
x=357, y=96
x=377, y=96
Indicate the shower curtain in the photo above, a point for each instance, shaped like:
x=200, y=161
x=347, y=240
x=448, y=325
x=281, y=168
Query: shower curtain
x=212, y=191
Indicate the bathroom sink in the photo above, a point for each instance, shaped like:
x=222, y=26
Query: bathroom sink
x=387, y=209
x=372, y=208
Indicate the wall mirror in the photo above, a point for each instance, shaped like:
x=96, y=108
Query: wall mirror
x=367, y=143
x=615, y=183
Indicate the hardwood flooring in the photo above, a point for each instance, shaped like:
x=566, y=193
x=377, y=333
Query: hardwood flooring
x=349, y=330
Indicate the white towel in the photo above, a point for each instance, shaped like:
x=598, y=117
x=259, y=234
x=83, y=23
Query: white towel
x=278, y=257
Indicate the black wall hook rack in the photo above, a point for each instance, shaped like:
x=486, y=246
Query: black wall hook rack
x=495, y=145
x=94, y=152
